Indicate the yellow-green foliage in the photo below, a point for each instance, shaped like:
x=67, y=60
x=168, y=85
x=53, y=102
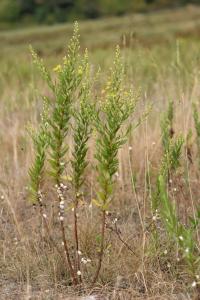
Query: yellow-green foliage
x=116, y=108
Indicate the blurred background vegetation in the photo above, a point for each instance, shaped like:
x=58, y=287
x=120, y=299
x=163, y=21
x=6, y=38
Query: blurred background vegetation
x=17, y=12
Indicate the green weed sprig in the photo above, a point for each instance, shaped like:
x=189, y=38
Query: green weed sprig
x=184, y=236
x=36, y=172
x=167, y=127
x=115, y=110
x=170, y=162
x=72, y=111
x=82, y=114
x=64, y=90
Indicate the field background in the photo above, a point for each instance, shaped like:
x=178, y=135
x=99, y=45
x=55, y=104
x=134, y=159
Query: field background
x=162, y=57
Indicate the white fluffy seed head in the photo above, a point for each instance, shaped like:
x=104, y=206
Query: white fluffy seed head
x=194, y=284
x=79, y=273
x=84, y=261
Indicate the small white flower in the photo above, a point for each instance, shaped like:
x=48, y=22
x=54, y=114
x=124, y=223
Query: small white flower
x=62, y=202
x=175, y=189
x=197, y=276
x=194, y=284
x=154, y=218
x=178, y=259
x=153, y=143
x=117, y=174
x=72, y=208
x=168, y=265
x=2, y=197
x=56, y=186
x=84, y=261
x=62, y=163
x=62, y=207
x=79, y=273
x=170, y=181
x=90, y=206
x=187, y=250
x=62, y=244
x=89, y=260
x=79, y=252
x=180, y=238
x=44, y=216
x=61, y=218
x=165, y=252
x=130, y=148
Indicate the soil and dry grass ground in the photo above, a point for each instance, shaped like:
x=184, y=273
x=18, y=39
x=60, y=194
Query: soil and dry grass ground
x=161, y=52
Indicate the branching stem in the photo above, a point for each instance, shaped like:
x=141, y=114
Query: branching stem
x=103, y=223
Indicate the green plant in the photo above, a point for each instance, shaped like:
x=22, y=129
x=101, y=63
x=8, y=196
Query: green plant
x=82, y=113
x=184, y=236
x=65, y=89
x=169, y=165
x=41, y=141
x=116, y=108
x=72, y=108
x=172, y=150
x=167, y=127
x=171, y=159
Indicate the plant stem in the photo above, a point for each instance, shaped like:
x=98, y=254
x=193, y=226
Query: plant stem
x=66, y=249
x=50, y=237
x=76, y=257
x=74, y=278
x=101, y=247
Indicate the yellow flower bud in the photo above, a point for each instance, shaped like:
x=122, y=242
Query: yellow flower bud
x=57, y=69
